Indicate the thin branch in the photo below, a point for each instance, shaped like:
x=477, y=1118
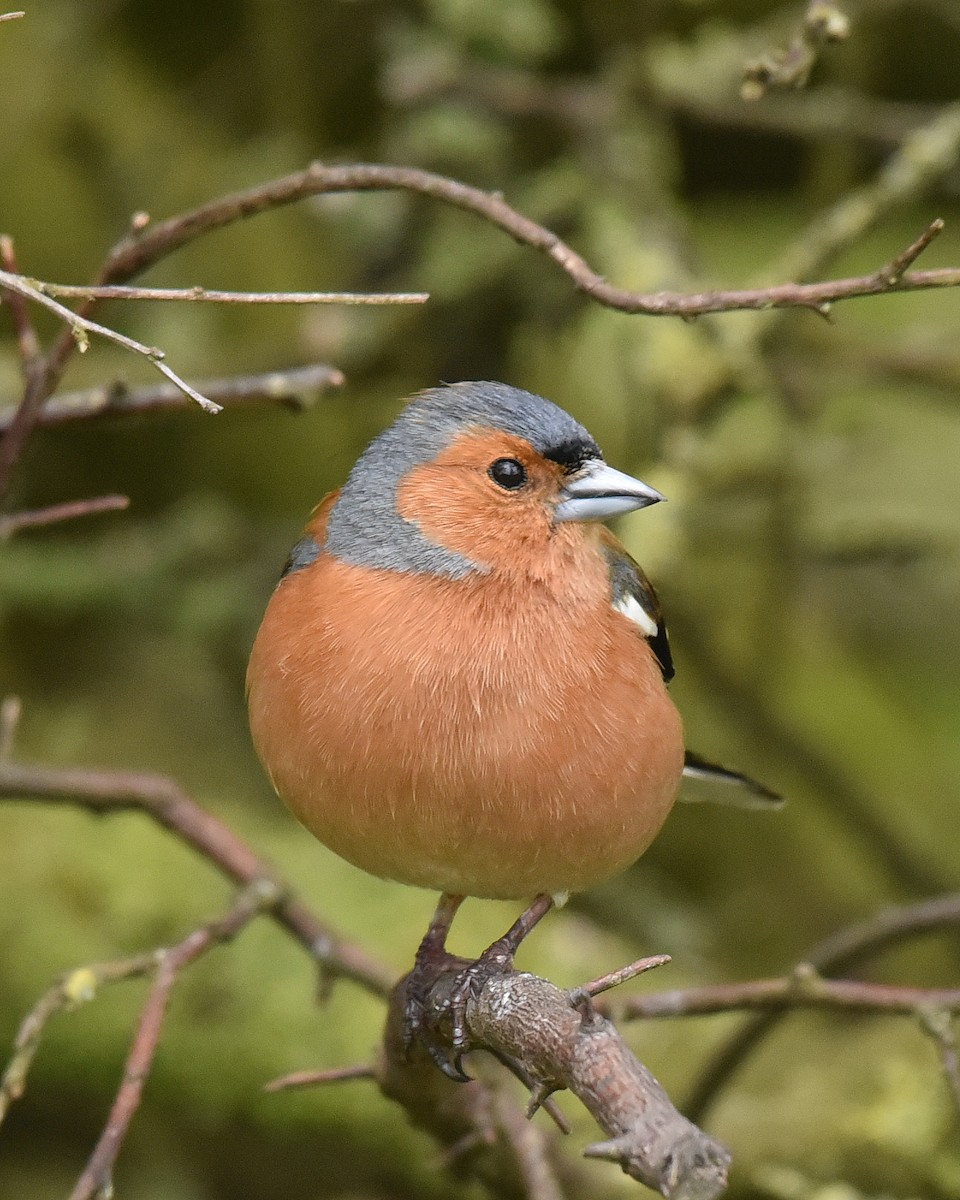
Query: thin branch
x=840, y=952
x=615, y=978
x=164, y=802
x=81, y=326
x=136, y=252
x=305, y=1079
x=292, y=388
x=529, y=1148
x=28, y=344
x=938, y=1025
x=213, y=296
x=924, y=157
x=804, y=988
x=53, y=514
x=96, y=1181
x=74, y=988
x=11, y=16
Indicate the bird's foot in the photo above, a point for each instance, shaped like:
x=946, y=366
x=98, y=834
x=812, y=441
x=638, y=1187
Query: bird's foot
x=441, y=1027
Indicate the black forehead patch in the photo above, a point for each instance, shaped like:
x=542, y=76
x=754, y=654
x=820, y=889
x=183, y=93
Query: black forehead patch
x=572, y=454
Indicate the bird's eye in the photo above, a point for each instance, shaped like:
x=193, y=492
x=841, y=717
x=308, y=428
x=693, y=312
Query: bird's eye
x=508, y=473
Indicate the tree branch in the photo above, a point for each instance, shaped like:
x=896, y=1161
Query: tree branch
x=288, y=387
x=215, y=296
x=53, y=514
x=260, y=896
x=163, y=801
x=141, y=249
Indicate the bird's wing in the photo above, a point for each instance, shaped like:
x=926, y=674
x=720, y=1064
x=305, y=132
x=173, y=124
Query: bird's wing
x=712, y=783
x=632, y=595
x=309, y=548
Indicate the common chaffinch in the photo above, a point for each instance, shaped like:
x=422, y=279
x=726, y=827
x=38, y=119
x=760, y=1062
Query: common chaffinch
x=460, y=680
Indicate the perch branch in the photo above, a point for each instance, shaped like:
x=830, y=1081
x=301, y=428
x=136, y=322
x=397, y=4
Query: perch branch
x=560, y=1041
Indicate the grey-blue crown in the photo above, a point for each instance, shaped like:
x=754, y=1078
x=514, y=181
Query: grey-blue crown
x=365, y=527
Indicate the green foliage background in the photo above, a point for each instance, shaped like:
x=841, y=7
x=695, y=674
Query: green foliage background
x=808, y=560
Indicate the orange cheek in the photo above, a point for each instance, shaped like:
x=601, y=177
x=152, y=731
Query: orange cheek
x=456, y=505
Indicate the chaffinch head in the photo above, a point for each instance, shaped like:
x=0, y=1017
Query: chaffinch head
x=459, y=681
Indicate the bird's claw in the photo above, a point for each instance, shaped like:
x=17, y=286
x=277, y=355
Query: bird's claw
x=422, y=1021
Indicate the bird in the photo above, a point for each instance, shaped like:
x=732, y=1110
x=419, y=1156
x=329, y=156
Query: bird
x=460, y=681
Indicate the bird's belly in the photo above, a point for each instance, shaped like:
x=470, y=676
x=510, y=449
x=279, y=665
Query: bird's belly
x=544, y=761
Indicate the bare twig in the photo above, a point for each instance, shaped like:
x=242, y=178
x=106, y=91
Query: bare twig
x=28, y=344
x=55, y=513
x=925, y=156
x=615, y=978
x=162, y=800
x=259, y=896
x=136, y=252
x=214, y=296
x=292, y=388
x=937, y=1023
x=305, y=1079
x=81, y=326
x=804, y=988
x=74, y=988
x=840, y=952
x=11, y=16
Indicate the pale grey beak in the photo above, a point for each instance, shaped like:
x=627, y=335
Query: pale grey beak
x=598, y=491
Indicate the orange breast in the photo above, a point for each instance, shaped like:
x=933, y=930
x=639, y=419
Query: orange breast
x=456, y=735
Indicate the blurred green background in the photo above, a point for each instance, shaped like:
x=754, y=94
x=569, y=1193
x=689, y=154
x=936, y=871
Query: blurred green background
x=808, y=560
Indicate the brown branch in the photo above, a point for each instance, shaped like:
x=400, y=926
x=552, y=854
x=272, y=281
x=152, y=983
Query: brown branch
x=559, y=1041
x=95, y=1180
x=74, y=988
x=804, y=988
x=28, y=344
x=305, y=1079
x=164, y=802
x=138, y=251
x=214, y=296
x=55, y=513
x=80, y=327
x=291, y=388
x=840, y=952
